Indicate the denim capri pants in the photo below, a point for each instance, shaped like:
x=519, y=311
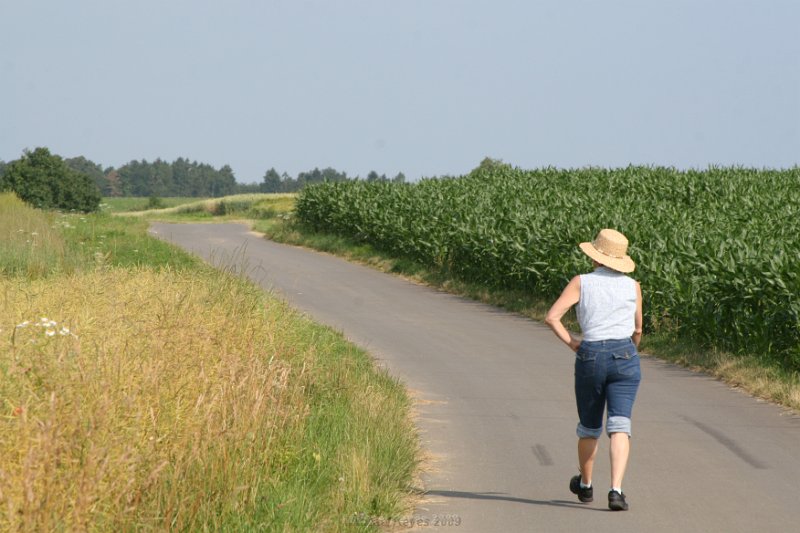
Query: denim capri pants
x=606, y=373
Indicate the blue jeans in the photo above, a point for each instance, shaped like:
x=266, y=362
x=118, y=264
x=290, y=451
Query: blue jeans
x=606, y=373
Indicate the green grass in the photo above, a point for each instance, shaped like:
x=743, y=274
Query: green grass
x=122, y=242
x=160, y=334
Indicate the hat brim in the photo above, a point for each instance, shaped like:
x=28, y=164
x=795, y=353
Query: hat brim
x=622, y=264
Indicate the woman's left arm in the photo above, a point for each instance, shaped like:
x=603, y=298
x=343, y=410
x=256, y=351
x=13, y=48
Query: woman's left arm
x=569, y=297
x=637, y=331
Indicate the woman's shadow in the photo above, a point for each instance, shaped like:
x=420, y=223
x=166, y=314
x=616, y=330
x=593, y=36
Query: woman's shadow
x=505, y=497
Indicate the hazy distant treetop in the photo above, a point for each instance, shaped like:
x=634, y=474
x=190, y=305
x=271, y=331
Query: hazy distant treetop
x=488, y=165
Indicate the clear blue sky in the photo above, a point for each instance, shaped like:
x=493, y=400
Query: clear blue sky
x=427, y=87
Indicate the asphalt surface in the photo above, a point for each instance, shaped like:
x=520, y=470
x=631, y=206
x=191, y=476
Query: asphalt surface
x=496, y=411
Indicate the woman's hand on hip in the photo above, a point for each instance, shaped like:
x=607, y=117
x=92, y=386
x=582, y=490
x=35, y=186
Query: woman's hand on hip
x=574, y=343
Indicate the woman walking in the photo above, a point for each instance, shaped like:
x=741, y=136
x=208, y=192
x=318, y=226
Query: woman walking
x=606, y=360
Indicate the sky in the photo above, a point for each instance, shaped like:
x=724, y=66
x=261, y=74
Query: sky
x=426, y=87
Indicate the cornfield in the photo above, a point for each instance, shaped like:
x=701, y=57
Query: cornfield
x=717, y=251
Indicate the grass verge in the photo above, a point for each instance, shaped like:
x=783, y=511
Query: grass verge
x=142, y=389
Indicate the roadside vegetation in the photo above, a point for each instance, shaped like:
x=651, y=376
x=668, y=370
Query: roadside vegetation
x=756, y=303
x=142, y=389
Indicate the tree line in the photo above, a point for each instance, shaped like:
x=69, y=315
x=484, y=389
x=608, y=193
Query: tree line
x=49, y=181
x=183, y=177
x=274, y=182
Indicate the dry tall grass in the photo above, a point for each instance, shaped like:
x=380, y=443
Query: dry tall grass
x=177, y=397
x=139, y=399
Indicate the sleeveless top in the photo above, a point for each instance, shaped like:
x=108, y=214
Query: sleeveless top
x=607, y=308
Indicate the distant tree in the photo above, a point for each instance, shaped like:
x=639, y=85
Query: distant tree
x=400, y=178
x=179, y=178
x=289, y=184
x=248, y=188
x=298, y=183
x=312, y=176
x=374, y=176
x=154, y=202
x=91, y=169
x=202, y=176
x=45, y=181
x=271, y=181
x=331, y=174
x=114, y=183
x=133, y=177
x=489, y=165
x=159, y=179
x=223, y=182
x=3, y=166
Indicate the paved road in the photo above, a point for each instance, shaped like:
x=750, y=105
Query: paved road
x=497, y=416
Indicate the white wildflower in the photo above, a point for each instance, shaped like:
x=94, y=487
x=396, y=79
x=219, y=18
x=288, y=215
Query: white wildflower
x=64, y=331
x=24, y=324
x=50, y=332
x=45, y=322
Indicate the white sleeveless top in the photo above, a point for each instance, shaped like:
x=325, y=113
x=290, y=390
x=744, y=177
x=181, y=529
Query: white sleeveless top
x=607, y=308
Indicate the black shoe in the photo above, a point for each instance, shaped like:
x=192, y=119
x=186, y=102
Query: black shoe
x=616, y=501
x=584, y=495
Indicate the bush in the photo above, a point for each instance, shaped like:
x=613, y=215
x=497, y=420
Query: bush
x=154, y=202
x=43, y=180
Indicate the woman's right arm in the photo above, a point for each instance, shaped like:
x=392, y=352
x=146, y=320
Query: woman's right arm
x=569, y=297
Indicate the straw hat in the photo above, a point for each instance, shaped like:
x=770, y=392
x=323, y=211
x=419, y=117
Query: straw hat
x=609, y=248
